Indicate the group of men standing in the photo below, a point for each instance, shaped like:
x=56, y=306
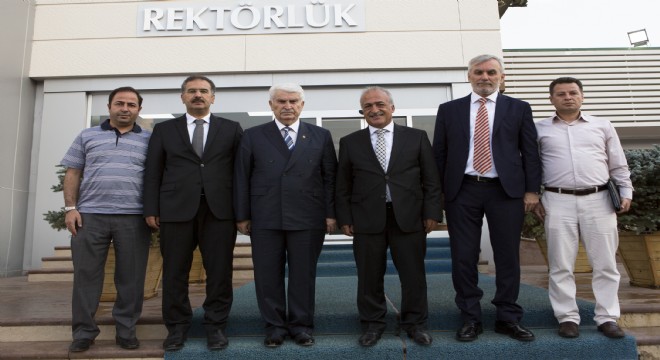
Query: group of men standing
x=199, y=178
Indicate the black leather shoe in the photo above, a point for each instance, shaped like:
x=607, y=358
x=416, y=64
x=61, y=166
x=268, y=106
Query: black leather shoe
x=569, y=329
x=469, y=331
x=216, y=340
x=514, y=330
x=80, y=345
x=611, y=330
x=304, y=339
x=369, y=338
x=128, y=344
x=273, y=341
x=174, y=342
x=421, y=337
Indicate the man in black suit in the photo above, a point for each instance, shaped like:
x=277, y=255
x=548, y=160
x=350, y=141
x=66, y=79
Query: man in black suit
x=188, y=196
x=388, y=194
x=485, y=148
x=284, y=199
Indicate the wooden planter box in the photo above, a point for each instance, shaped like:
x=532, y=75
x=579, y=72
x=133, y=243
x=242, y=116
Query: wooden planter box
x=151, y=282
x=581, y=261
x=641, y=258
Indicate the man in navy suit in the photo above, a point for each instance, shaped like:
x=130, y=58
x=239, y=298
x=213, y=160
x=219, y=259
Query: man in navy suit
x=486, y=151
x=284, y=199
x=388, y=195
x=188, y=189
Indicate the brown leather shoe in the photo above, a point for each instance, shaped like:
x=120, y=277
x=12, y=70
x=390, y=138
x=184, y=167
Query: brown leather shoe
x=611, y=330
x=569, y=329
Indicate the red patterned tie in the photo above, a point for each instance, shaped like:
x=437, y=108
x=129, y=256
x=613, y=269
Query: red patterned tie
x=482, y=155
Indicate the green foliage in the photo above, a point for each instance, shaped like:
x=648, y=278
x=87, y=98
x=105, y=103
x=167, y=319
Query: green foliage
x=644, y=214
x=532, y=227
x=56, y=218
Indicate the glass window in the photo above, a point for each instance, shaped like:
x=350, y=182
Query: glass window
x=340, y=127
x=426, y=123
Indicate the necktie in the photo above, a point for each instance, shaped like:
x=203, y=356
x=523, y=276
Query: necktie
x=381, y=154
x=287, y=138
x=482, y=155
x=198, y=137
x=381, y=149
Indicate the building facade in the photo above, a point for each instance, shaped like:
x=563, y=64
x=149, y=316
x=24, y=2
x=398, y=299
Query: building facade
x=74, y=52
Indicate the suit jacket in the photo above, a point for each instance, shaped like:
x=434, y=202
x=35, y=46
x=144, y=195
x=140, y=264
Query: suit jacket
x=514, y=148
x=281, y=189
x=411, y=175
x=175, y=175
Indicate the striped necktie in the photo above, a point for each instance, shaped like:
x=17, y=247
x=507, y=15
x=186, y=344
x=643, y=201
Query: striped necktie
x=482, y=156
x=287, y=138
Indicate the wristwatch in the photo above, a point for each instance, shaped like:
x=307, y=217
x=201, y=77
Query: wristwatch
x=69, y=208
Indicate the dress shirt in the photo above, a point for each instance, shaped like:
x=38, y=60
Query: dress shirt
x=582, y=154
x=474, y=108
x=191, y=125
x=389, y=136
x=293, y=132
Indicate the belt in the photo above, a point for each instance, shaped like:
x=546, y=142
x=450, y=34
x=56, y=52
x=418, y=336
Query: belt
x=482, y=179
x=577, y=192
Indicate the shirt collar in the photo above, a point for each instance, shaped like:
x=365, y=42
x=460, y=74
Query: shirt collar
x=475, y=97
x=558, y=118
x=389, y=127
x=295, y=126
x=106, y=126
x=191, y=119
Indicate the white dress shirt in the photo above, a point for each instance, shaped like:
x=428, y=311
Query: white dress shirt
x=293, y=132
x=191, y=125
x=474, y=108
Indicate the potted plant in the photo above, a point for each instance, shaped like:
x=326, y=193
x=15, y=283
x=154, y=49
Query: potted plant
x=639, y=239
x=109, y=293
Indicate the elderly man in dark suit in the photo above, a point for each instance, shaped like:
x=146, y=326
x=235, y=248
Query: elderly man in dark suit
x=284, y=199
x=188, y=191
x=388, y=195
x=486, y=151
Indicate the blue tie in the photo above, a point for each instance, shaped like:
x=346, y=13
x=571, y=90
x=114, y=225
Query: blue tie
x=287, y=138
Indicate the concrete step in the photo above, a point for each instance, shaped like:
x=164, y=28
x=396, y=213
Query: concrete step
x=102, y=349
x=56, y=262
x=640, y=315
x=60, y=266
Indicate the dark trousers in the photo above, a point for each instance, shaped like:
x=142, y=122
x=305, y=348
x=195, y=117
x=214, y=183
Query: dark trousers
x=408, y=250
x=216, y=239
x=464, y=220
x=271, y=249
x=130, y=238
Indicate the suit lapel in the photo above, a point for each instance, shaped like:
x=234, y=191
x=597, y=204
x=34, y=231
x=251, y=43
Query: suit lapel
x=214, y=128
x=302, y=142
x=367, y=147
x=272, y=133
x=464, y=114
x=501, y=108
x=181, y=125
x=398, y=144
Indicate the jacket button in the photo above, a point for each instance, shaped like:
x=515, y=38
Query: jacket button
x=201, y=165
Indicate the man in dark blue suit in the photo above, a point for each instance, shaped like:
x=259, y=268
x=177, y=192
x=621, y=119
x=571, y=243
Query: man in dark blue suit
x=284, y=199
x=487, y=156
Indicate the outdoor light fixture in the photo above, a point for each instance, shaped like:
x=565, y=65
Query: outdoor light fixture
x=638, y=38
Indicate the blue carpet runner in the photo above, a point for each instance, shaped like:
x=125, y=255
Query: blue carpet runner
x=337, y=325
